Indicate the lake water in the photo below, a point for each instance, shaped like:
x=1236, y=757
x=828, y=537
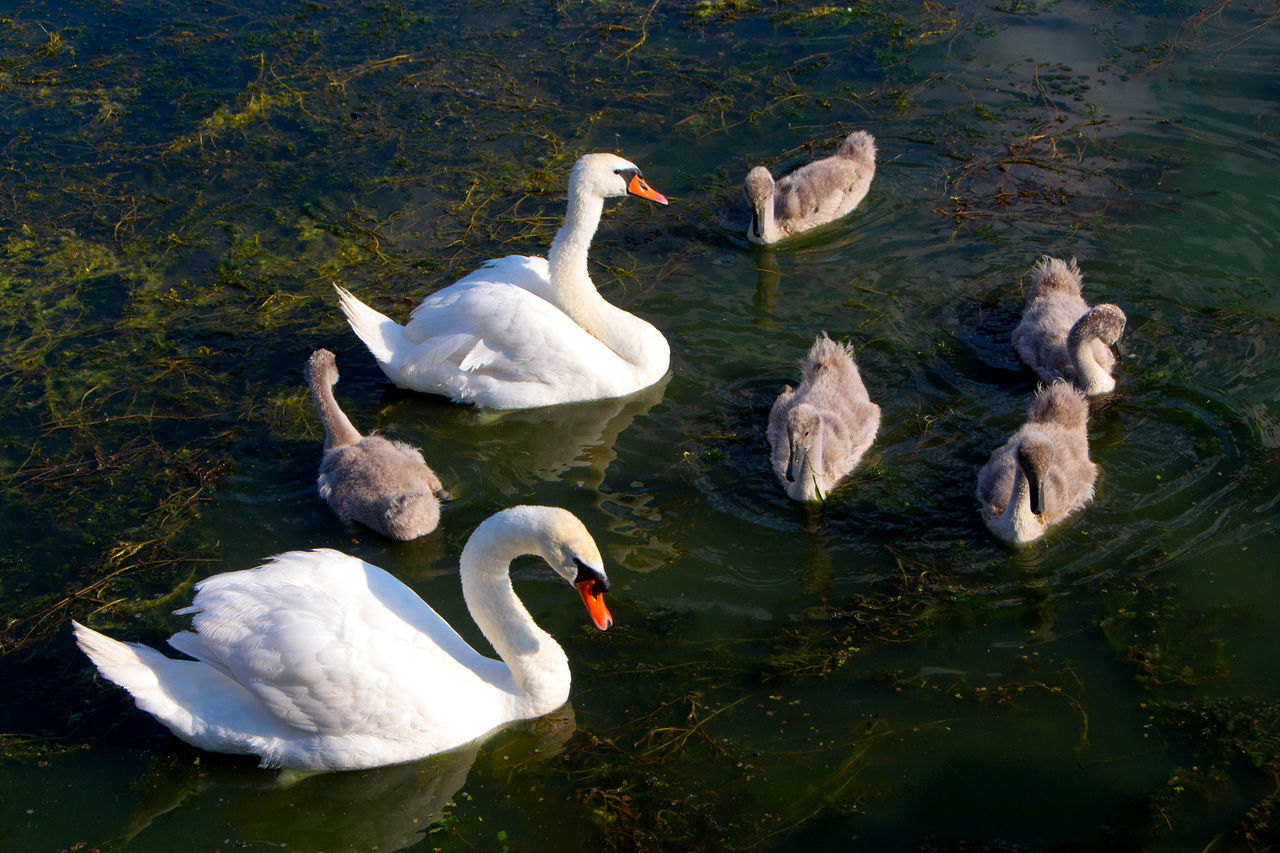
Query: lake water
x=180, y=184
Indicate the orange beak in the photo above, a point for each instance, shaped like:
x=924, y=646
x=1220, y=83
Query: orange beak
x=595, y=604
x=637, y=186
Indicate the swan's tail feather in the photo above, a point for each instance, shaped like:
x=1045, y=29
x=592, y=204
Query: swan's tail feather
x=825, y=354
x=859, y=146
x=383, y=336
x=1059, y=403
x=130, y=665
x=195, y=701
x=1054, y=275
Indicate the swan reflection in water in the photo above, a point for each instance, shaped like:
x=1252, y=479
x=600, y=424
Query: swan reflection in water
x=387, y=808
x=508, y=451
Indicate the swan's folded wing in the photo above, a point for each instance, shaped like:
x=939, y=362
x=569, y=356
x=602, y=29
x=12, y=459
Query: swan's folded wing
x=527, y=273
x=864, y=423
x=776, y=432
x=995, y=479
x=440, y=349
x=818, y=191
x=524, y=273
x=331, y=644
x=510, y=333
x=479, y=356
x=1069, y=484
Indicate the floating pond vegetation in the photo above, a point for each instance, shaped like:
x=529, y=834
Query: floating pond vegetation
x=1227, y=734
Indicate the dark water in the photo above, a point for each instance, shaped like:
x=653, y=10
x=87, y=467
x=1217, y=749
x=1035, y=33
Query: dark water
x=179, y=186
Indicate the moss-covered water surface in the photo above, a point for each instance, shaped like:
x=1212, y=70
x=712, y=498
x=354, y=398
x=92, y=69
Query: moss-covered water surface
x=181, y=184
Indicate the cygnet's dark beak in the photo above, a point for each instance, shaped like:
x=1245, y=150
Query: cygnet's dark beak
x=1037, y=494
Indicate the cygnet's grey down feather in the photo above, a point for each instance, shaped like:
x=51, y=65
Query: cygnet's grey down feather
x=818, y=432
x=383, y=484
x=1060, y=336
x=813, y=195
x=1042, y=473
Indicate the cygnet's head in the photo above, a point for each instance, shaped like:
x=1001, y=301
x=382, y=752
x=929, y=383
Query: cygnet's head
x=322, y=368
x=758, y=188
x=803, y=423
x=409, y=515
x=1104, y=322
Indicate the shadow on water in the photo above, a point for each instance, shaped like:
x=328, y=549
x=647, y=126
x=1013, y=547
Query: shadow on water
x=389, y=808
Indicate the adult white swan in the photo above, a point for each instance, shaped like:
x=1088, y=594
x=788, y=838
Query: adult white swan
x=320, y=661
x=522, y=332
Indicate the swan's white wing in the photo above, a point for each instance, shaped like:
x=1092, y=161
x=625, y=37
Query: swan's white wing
x=527, y=273
x=504, y=330
x=332, y=645
x=502, y=344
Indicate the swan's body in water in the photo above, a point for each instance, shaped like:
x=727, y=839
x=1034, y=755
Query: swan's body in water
x=383, y=484
x=320, y=661
x=1042, y=473
x=813, y=195
x=819, y=431
x=523, y=332
x=1060, y=336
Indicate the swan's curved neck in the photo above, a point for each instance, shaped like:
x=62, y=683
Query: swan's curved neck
x=338, y=429
x=568, y=254
x=574, y=293
x=1092, y=377
x=537, y=663
x=1018, y=523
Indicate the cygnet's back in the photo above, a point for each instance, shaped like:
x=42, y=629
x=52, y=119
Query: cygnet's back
x=813, y=195
x=1060, y=336
x=383, y=484
x=819, y=431
x=1054, y=445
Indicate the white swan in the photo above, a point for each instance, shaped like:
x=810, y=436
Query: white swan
x=1043, y=473
x=523, y=332
x=385, y=485
x=1060, y=336
x=320, y=661
x=813, y=195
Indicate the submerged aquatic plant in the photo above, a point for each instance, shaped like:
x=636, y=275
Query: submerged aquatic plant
x=1225, y=733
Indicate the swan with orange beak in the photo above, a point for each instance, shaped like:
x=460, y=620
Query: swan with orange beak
x=522, y=332
x=317, y=660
